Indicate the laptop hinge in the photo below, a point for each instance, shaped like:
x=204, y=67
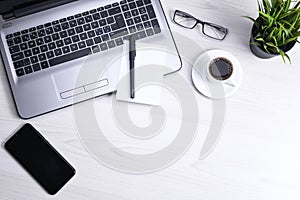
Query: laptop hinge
x=22, y=11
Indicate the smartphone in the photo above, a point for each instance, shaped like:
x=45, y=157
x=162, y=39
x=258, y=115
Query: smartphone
x=39, y=159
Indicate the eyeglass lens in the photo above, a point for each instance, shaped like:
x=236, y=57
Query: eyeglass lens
x=184, y=20
x=214, y=32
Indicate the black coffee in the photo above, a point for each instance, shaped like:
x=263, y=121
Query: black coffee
x=220, y=68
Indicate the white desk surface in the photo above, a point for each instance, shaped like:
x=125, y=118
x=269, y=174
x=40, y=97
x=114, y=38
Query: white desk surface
x=256, y=158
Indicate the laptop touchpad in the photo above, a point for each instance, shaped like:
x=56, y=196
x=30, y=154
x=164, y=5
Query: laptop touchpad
x=92, y=74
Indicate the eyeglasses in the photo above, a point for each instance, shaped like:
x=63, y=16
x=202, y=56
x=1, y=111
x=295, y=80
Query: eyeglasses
x=211, y=30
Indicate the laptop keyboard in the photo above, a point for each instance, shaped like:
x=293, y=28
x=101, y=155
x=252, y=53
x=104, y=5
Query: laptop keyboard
x=47, y=45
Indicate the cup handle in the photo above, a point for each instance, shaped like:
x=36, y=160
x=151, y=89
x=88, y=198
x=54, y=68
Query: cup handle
x=230, y=83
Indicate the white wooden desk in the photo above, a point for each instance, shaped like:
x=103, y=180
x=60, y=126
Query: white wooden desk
x=257, y=157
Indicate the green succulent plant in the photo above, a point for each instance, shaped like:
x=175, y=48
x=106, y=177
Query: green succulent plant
x=277, y=25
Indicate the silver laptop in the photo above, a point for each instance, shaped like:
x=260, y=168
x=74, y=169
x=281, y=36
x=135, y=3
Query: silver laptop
x=45, y=44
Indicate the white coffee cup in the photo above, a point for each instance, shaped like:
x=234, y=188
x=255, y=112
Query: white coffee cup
x=220, y=70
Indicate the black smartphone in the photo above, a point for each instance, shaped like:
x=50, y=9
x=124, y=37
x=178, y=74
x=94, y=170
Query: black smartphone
x=40, y=159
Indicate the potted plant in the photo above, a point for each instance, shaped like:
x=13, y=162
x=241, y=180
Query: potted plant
x=276, y=29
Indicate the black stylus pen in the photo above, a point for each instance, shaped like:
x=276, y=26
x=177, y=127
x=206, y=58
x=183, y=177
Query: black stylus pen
x=132, y=55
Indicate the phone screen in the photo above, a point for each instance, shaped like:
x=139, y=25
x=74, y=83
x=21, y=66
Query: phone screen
x=40, y=159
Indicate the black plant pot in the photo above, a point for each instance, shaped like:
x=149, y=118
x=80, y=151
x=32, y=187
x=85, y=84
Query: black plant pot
x=261, y=53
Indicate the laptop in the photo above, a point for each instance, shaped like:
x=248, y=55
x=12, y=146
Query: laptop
x=45, y=44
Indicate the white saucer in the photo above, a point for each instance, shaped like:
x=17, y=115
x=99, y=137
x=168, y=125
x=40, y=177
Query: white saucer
x=218, y=89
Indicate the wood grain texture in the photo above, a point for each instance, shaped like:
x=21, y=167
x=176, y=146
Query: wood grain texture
x=257, y=157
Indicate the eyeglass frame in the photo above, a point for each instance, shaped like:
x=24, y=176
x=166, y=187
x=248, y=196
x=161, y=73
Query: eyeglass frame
x=203, y=23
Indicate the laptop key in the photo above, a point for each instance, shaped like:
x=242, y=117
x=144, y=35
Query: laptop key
x=142, y=10
x=90, y=42
x=57, y=52
x=14, y=49
x=97, y=40
x=80, y=21
x=71, y=32
x=67, y=41
x=34, y=59
x=140, y=27
x=44, y=48
x=28, y=53
x=87, y=27
x=105, y=37
x=125, y=8
x=114, y=11
x=96, y=49
x=42, y=57
x=18, y=64
x=66, y=49
x=17, y=56
x=137, y=19
x=55, y=36
x=49, y=30
x=93, y=11
x=10, y=42
x=120, y=21
x=127, y=15
x=73, y=23
x=82, y=45
x=17, y=34
x=85, y=13
x=79, y=29
x=44, y=65
x=75, y=38
x=41, y=33
x=36, y=67
x=134, y=12
x=36, y=51
x=139, y=35
x=99, y=31
x=119, y=42
x=111, y=44
x=139, y=3
x=96, y=16
x=20, y=72
x=132, y=5
x=83, y=36
x=65, y=26
x=145, y=17
x=57, y=28
x=78, y=15
x=63, y=34
x=70, y=18
x=59, y=43
x=91, y=34
x=150, y=11
x=62, y=20
x=25, y=38
x=39, y=41
x=17, y=40
x=47, y=39
x=115, y=4
x=103, y=46
x=89, y=18
x=110, y=20
x=9, y=36
x=28, y=70
x=74, y=47
x=106, y=29
x=104, y=14
x=69, y=57
x=129, y=22
x=50, y=54
x=118, y=33
x=146, y=2
x=107, y=6
x=102, y=22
